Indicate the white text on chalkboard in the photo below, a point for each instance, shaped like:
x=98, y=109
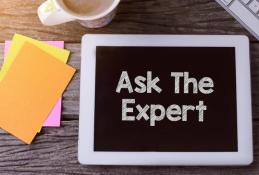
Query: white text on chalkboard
x=157, y=112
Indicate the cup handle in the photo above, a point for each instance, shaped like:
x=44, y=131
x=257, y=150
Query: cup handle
x=51, y=14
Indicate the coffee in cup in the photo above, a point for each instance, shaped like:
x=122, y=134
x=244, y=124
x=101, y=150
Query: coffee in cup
x=89, y=13
x=87, y=7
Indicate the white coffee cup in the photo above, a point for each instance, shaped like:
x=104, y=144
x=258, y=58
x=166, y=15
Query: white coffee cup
x=53, y=12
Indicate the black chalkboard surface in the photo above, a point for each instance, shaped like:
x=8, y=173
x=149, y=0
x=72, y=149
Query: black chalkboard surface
x=140, y=106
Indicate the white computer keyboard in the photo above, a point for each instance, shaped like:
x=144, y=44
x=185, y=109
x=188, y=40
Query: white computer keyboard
x=245, y=11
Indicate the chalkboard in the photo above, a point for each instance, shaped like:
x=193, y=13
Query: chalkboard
x=165, y=99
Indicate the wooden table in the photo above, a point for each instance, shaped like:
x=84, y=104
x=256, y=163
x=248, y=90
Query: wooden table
x=55, y=149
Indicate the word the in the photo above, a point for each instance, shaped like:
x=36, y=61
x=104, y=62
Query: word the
x=205, y=85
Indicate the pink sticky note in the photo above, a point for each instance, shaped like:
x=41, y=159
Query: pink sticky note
x=54, y=117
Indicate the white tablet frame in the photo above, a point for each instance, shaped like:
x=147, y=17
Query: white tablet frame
x=86, y=155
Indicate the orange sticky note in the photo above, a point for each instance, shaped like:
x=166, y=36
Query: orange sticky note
x=30, y=89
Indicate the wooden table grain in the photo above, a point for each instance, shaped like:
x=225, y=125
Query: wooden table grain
x=54, y=150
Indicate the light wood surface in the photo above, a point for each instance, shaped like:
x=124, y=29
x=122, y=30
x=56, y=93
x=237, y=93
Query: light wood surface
x=54, y=150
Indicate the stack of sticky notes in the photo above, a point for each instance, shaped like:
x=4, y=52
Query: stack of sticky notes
x=32, y=79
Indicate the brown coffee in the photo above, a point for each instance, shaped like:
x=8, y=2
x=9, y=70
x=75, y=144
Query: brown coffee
x=87, y=7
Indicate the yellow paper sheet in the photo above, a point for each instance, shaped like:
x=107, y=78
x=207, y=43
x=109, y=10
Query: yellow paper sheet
x=16, y=45
x=30, y=89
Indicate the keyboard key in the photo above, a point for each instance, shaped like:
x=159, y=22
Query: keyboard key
x=246, y=17
x=245, y=1
x=254, y=6
x=226, y=2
